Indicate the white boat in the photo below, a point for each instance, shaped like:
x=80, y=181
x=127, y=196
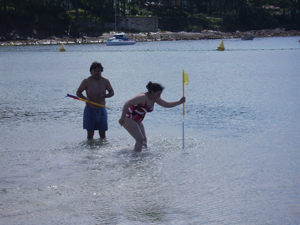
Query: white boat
x=119, y=39
x=248, y=37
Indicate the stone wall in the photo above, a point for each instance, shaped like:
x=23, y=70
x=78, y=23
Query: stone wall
x=144, y=24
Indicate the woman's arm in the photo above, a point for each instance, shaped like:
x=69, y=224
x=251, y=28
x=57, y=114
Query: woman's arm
x=166, y=104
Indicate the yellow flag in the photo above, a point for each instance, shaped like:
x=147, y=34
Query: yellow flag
x=185, y=78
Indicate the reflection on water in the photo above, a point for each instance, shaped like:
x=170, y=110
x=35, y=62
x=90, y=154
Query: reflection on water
x=240, y=164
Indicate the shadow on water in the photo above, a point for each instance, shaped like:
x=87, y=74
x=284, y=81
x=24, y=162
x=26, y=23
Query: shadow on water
x=116, y=155
x=94, y=143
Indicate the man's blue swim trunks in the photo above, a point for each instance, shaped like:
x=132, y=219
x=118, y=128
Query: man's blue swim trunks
x=95, y=119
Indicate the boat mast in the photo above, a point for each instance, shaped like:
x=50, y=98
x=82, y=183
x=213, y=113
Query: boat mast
x=116, y=15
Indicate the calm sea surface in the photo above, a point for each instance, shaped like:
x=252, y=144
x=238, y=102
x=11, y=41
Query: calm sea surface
x=240, y=164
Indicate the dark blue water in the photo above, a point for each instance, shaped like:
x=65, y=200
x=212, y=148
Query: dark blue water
x=240, y=164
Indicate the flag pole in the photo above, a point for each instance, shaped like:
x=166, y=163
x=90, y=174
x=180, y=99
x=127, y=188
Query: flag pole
x=183, y=110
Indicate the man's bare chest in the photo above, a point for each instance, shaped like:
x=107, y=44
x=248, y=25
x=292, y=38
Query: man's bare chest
x=96, y=87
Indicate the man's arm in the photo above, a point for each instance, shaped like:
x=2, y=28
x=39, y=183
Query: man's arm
x=110, y=90
x=81, y=89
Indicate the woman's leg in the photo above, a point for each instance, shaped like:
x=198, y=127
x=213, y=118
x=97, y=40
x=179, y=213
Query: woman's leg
x=135, y=131
x=144, y=134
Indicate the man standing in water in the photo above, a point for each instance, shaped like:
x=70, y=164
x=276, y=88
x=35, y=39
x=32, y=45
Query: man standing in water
x=96, y=87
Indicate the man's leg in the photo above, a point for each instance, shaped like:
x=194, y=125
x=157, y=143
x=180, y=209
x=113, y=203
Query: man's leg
x=102, y=122
x=102, y=134
x=90, y=135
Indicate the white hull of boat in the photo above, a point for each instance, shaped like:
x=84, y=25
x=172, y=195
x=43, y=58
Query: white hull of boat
x=248, y=37
x=119, y=42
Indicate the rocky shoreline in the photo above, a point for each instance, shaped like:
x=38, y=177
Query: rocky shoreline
x=155, y=36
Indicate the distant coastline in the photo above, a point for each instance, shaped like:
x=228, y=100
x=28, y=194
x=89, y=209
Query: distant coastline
x=156, y=36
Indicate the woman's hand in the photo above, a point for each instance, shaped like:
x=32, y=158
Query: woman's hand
x=182, y=100
x=122, y=121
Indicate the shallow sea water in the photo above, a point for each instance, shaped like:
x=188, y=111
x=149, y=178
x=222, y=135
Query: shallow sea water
x=240, y=164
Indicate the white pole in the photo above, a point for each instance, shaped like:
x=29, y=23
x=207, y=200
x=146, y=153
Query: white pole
x=182, y=134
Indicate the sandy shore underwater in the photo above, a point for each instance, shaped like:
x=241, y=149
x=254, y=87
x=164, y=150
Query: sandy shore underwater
x=157, y=36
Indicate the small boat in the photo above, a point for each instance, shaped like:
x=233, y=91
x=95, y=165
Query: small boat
x=248, y=37
x=119, y=39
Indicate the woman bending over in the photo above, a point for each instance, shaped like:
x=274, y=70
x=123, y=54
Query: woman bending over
x=135, y=109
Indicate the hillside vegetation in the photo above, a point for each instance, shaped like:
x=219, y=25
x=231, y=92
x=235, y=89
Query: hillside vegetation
x=44, y=18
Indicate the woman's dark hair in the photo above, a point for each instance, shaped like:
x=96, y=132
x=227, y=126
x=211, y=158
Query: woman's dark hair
x=96, y=65
x=154, y=87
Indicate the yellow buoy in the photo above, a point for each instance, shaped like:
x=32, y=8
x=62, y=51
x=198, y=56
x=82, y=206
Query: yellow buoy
x=11, y=43
x=221, y=46
x=62, y=48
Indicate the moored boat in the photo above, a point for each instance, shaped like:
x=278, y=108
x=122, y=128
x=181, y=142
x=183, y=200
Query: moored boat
x=119, y=39
x=248, y=37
